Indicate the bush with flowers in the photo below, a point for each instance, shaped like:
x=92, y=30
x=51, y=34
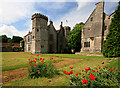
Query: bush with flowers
x=39, y=68
x=95, y=77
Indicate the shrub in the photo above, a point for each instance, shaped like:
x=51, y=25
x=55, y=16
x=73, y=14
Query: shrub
x=95, y=77
x=39, y=68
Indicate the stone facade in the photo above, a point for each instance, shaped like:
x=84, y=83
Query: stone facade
x=44, y=38
x=95, y=29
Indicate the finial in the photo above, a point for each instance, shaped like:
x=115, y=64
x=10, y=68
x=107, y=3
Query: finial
x=51, y=22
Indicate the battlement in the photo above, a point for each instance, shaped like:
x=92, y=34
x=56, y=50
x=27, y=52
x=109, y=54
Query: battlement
x=38, y=15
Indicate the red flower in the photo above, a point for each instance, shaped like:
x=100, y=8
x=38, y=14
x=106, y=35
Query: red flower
x=37, y=55
x=54, y=61
x=29, y=59
x=114, y=67
x=71, y=72
x=34, y=64
x=91, y=77
x=43, y=58
x=102, y=62
x=34, y=61
x=30, y=73
x=118, y=71
x=30, y=64
x=96, y=68
x=64, y=71
x=71, y=67
x=80, y=73
x=35, y=58
x=82, y=70
x=43, y=62
x=76, y=75
x=84, y=81
x=111, y=69
x=86, y=69
x=83, y=76
x=99, y=67
x=40, y=58
x=97, y=71
x=93, y=70
x=68, y=73
x=106, y=67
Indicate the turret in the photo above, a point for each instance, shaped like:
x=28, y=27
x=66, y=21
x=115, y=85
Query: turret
x=67, y=30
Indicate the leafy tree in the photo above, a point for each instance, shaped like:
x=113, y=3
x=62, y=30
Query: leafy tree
x=3, y=38
x=17, y=39
x=74, y=39
x=22, y=45
x=111, y=47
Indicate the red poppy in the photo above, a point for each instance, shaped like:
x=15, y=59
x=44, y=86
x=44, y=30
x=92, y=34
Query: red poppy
x=54, y=61
x=80, y=73
x=64, y=71
x=71, y=72
x=106, y=67
x=29, y=59
x=43, y=58
x=93, y=70
x=83, y=76
x=91, y=77
x=35, y=58
x=102, y=62
x=84, y=81
x=111, y=69
x=40, y=58
x=30, y=73
x=82, y=70
x=34, y=61
x=99, y=67
x=118, y=71
x=43, y=62
x=30, y=64
x=114, y=67
x=86, y=69
x=34, y=64
x=76, y=74
x=68, y=73
x=71, y=67
x=37, y=55
x=96, y=68
x=97, y=71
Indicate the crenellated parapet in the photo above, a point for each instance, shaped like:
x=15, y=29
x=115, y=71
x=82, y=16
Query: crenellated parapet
x=38, y=15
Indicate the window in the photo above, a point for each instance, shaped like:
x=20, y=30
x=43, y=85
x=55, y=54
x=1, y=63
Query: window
x=37, y=30
x=91, y=18
x=33, y=37
x=28, y=39
x=42, y=46
x=105, y=27
x=28, y=47
x=86, y=44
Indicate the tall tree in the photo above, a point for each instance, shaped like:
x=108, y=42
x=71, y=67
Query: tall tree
x=3, y=39
x=74, y=39
x=16, y=39
x=111, y=47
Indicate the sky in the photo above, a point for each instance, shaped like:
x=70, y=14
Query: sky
x=15, y=15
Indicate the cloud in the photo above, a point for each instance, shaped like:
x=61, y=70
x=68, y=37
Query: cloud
x=11, y=12
x=11, y=30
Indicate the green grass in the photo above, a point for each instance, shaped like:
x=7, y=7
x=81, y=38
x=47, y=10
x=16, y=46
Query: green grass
x=16, y=60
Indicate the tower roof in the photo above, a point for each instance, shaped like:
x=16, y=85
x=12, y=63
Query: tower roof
x=38, y=15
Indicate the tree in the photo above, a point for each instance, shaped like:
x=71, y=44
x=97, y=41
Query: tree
x=17, y=39
x=3, y=38
x=74, y=39
x=22, y=45
x=111, y=47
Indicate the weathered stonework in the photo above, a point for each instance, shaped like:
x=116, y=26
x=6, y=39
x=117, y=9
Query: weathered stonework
x=44, y=38
x=95, y=29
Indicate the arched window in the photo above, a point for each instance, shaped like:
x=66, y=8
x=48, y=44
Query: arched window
x=37, y=30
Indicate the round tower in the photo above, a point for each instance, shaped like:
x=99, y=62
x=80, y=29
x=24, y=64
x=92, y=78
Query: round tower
x=39, y=33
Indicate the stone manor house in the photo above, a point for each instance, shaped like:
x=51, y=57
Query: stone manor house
x=45, y=38
x=95, y=29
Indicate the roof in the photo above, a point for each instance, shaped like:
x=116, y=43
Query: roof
x=8, y=44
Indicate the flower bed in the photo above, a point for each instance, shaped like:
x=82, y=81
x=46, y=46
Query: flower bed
x=94, y=77
x=39, y=68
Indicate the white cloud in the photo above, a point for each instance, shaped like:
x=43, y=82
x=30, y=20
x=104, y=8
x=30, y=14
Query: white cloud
x=11, y=30
x=14, y=11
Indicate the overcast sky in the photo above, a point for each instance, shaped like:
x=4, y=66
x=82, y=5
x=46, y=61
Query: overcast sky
x=15, y=15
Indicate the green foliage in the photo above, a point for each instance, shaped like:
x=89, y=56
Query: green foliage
x=74, y=39
x=17, y=39
x=105, y=77
x=111, y=47
x=22, y=45
x=42, y=69
x=3, y=38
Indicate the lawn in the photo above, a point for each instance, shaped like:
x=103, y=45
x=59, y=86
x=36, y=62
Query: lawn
x=58, y=80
